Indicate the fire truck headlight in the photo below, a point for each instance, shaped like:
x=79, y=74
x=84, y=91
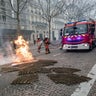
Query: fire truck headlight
x=65, y=45
x=85, y=44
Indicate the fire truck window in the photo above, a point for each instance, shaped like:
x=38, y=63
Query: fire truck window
x=92, y=28
x=78, y=29
x=74, y=27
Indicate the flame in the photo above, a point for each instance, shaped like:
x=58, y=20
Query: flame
x=22, y=50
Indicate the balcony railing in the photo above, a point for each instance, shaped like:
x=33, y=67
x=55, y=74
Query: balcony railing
x=40, y=24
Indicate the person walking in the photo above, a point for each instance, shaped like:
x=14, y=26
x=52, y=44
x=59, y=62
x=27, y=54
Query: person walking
x=46, y=44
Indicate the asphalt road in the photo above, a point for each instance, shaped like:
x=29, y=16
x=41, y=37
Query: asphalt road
x=83, y=60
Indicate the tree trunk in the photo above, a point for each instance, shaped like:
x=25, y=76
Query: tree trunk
x=18, y=19
x=18, y=24
x=49, y=29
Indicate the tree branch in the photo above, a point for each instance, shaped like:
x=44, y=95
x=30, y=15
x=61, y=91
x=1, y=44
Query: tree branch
x=23, y=6
x=12, y=6
x=8, y=16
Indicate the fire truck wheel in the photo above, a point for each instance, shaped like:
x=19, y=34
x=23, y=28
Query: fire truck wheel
x=91, y=47
x=94, y=44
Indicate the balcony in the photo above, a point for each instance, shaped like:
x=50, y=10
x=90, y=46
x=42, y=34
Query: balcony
x=40, y=24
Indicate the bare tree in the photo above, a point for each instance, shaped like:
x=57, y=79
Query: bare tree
x=16, y=7
x=2, y=10
x=79, y=9
x=49, y=10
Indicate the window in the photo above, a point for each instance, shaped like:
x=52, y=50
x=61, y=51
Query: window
x=4, y=18
x=2, y=3
x=32, y=11
x=78, y=29
x=0, y=17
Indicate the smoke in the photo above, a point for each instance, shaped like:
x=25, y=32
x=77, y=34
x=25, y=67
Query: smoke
x=6, y=53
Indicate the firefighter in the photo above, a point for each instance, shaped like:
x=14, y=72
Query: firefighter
x=39, y=44
x=46, y=44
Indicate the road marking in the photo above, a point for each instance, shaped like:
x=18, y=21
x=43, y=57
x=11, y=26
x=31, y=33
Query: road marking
x=56, y=54
x=0, y=74
x=84, y=88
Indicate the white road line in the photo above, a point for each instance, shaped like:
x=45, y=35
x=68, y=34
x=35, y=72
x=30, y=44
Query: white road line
x=84, y=88
x=0, y=74
x=56, y=54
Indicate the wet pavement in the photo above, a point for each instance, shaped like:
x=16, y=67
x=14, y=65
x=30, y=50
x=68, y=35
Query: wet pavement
x=45, y=86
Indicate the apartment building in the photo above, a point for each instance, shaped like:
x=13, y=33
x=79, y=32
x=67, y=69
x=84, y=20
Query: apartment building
x=30, y=21
x=40, y=25
x=8, y=24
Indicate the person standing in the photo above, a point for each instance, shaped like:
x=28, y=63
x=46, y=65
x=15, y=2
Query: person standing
x=34, y=42
x=60, y=37
x=46, y=44
x=39, y=44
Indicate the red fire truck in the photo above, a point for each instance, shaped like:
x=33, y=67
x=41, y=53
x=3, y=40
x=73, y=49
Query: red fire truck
x=79, y=35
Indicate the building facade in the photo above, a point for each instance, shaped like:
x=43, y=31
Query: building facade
x=30, y=19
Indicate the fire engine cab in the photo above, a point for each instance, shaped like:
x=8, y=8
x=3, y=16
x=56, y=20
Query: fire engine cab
x=79, y=35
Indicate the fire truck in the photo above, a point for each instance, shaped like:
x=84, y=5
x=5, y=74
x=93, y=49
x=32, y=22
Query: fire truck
x=79, y=35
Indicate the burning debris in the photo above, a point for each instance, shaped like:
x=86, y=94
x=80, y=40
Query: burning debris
x=16, y=52
x=22, y=50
